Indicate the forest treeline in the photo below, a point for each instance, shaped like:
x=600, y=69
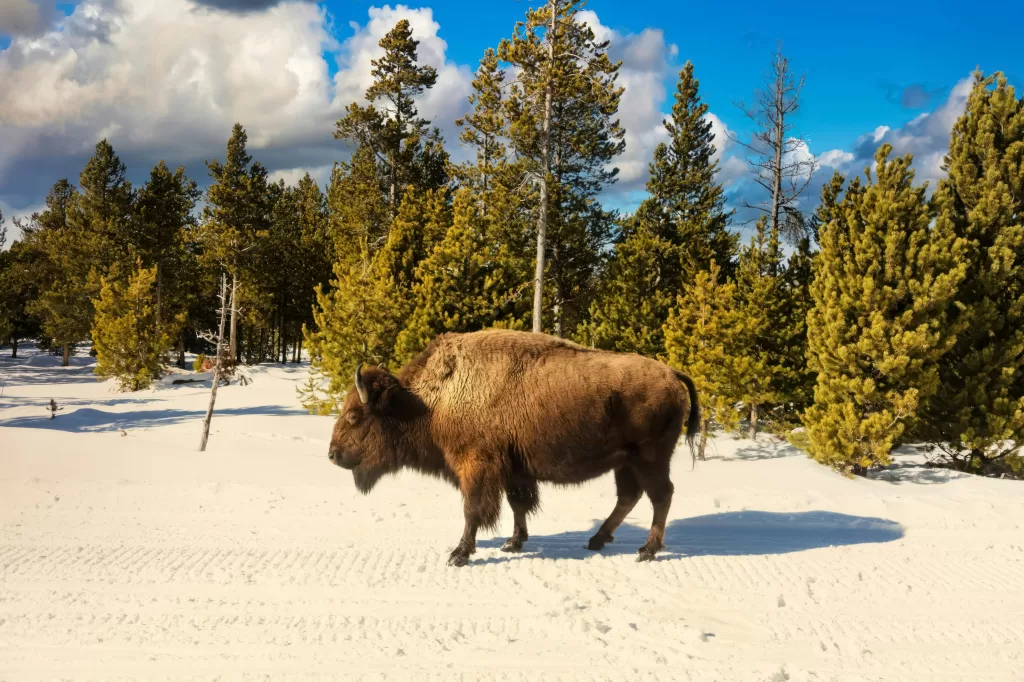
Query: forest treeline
x=892, y=316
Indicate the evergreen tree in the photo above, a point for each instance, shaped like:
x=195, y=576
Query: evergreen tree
x=977, y=415
x=677, y=231
x=561, y=111
x=101, y=223
x=468, y=282
x=394, y=133
x=879, y=325
x=62, y=270
x=761, y=311
x=360, y=319
x=164, y=227
x=637, y=294
x=20, y=277
x=701, y=340
x=130, y=343
x=357, y=207
x=795, y=381
x=236, y=220
x=485, y=128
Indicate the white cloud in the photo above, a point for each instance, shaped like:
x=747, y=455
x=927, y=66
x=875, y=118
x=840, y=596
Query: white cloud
x=203, y=70
x=645, y=65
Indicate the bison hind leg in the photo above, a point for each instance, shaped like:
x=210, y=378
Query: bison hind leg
x=524, y=498
x=654, y=478
x=629, y=492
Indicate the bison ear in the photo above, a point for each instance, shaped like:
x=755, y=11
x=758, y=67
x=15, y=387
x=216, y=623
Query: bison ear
x=380, y=390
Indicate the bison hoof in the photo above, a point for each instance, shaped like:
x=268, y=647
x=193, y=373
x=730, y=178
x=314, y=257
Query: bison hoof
x=598, y=542
x=645, y=555
x=512, y=545
x=458, y=560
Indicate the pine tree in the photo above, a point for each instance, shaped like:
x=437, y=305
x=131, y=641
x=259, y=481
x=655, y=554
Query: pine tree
x=20, y=277
x=701, y=340
x=485, y=127
x=357, y=208
x=636, y=296
x=675, y=233
x=760, y=334
x=977, y=415
x=879, y=325
x=101, y=224
x=164, y=226
x=236, y=219
x=398, y=138
x=561, y=111
x=62, y=270
x=468, y=282
x=130, y=344
x=795, y=381
x=360, y=318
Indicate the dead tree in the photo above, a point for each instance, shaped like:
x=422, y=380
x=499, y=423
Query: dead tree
x=781, y=161
x=219, y=357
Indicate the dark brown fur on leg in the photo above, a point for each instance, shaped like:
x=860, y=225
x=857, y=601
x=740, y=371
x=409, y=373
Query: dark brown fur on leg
x=523, y=498
x=656, y=483
x=629, y=492
x=481, y=496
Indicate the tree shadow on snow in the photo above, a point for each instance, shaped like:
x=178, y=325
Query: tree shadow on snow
x=90, y=420
x=745, y=533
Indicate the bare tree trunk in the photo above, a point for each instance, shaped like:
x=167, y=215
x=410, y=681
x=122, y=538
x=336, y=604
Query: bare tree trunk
x=233, y=350
x=158, y=272
x=66, y=345
x=542, y=221
x=284, y=339
x=702, y=446
x=181, y=349
x=14, y=346
x=217, y=362
x=298, y=350
x=752, y=431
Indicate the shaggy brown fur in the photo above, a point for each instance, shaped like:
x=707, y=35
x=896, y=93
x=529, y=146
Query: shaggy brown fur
x=497, y=411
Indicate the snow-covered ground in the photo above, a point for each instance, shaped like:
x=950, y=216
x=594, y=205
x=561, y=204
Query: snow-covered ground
x=127, y=554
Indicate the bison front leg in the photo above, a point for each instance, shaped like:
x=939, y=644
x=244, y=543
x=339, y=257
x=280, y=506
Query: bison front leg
x=481, y=487
x=629, y=493
x=523, y=498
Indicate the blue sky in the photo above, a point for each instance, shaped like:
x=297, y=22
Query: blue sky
x=858, y=63
x=165, y=79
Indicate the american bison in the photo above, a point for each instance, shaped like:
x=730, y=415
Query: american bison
x=497, y=411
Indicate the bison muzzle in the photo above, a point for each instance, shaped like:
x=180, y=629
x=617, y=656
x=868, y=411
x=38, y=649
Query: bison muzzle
x=495, y=412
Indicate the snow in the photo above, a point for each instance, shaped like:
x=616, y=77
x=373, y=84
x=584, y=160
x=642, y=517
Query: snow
x=127, y=554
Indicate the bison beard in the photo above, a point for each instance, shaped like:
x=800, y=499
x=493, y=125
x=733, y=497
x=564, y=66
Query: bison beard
x=495, y=412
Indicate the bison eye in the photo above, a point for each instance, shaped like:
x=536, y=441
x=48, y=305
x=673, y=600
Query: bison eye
x=352, y=417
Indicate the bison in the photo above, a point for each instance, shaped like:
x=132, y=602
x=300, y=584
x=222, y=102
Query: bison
x=497, y=411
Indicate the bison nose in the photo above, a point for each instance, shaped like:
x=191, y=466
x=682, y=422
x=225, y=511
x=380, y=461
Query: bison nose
x=336, y=457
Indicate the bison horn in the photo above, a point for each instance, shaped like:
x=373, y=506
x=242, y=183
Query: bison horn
x=364, y=395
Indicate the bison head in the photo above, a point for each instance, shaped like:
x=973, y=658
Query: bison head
x=369, y=435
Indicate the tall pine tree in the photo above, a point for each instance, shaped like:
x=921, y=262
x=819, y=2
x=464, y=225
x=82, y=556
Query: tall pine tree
x=236, y=220
x=677, y=231
x=392, y=130
x=62, y=271
x=977, y=414
x=562, y=127
x=879, y=326
x=164, y=225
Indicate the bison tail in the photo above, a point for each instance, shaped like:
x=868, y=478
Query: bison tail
x=693, y=422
